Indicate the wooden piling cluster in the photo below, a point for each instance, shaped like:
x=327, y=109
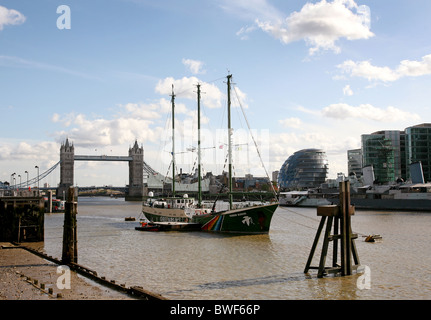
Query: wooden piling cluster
x=338, y=216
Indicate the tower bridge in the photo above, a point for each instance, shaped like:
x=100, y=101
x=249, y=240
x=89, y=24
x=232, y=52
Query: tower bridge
x=135, y=160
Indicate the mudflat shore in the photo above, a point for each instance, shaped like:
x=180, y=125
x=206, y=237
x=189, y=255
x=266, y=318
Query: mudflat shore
x=26, y=276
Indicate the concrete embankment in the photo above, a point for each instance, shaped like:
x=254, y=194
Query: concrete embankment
x=26, y=274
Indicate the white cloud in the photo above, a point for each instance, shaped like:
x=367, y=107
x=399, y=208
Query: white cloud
x=244, y=31
x=347, y=91
x=103, y=132
x=320, y=24
x=10, y=17
x=134, y=121
x=367, y=111
x=27, y=151
x=291, y=122
x=308, y=111
x=406, y=68
x=141, y=120
x=239, y=98
x=365, y=69
x=185, y=87
x=55, y=117
x=415, y=68
x=147, y=111
x=195, y=66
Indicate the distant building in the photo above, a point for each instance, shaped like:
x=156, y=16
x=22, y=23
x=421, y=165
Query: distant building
x=275, y=175
x=249, y=183
x=418, y=147
x=390, y=152
x=382, y=150
x=4, y=185
x=306, y=168
x=354, y=162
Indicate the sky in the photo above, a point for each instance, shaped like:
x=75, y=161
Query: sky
x=306, y=74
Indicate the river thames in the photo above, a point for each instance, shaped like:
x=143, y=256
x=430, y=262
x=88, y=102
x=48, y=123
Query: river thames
x=207, y=266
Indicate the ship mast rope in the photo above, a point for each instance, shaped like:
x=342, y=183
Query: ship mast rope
x=313, y=219
x=255, y=143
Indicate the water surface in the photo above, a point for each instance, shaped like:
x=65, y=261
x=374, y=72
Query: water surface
x=199, y=265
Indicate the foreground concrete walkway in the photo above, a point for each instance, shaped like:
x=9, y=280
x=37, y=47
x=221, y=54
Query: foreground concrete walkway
x=26, y=276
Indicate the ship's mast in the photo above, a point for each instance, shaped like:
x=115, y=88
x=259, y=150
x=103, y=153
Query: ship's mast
x=229, y=140
x=173, y=141
x=199, y=147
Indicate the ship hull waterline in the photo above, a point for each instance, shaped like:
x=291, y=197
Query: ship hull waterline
x=248, y=220
x=170, y=226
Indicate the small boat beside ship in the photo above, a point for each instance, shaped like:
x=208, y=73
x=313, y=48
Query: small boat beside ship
x=57, y=205
x=183, y=213
x=168, y=226
x=305, y=198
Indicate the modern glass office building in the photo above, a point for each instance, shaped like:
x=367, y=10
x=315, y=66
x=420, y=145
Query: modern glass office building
x=354, y=162
x=391, y=152
x=306, y=168
x=380, y=150
x=418, y=147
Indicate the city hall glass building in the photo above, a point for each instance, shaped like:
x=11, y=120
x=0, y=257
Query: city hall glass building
x=304, y=169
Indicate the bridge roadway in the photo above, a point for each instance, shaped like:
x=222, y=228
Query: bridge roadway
x=87, y=188
x=102, y=158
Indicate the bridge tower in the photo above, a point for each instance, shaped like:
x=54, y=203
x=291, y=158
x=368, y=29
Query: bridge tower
x=136, y=173
x=67, y=158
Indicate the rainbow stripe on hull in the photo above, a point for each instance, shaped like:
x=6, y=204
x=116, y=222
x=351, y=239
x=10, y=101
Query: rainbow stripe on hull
x=214, y=224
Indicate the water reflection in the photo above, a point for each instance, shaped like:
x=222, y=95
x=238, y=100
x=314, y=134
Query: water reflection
x=245, y=282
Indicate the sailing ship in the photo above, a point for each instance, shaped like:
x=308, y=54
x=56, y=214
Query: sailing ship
x=184, y=213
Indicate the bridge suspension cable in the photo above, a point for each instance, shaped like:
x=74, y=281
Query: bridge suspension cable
x=37, y=178
x=148, y=169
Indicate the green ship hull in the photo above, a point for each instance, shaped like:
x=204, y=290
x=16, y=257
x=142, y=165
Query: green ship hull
x=251, y=220
x=248, y=220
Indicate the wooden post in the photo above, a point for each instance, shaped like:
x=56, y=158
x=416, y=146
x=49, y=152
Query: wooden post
x=346, y=239
x=316, y=240
x=49, y=201
x=335, y=242
x=325, y=247
x=70, y=248
x=19, y=229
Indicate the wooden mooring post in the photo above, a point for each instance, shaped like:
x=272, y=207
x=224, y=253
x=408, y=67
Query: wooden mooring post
x=70, y=242
x=337, y=216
